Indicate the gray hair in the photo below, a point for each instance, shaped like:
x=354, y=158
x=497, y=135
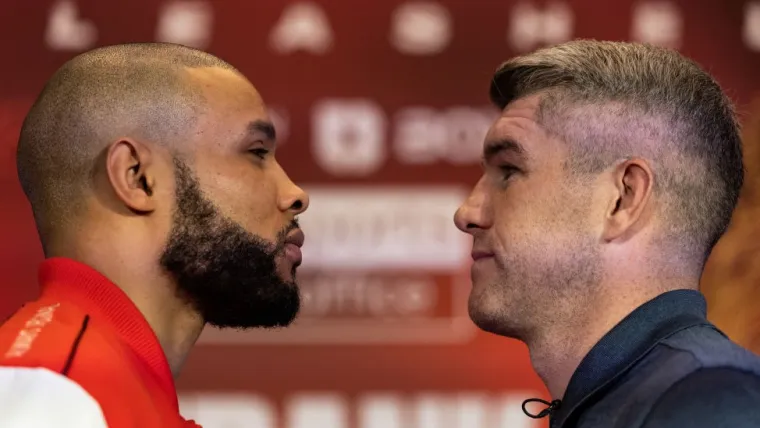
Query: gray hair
x=613, y=100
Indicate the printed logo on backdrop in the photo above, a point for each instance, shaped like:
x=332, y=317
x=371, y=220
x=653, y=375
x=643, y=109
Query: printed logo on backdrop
x=356, y=137
x=381, y=265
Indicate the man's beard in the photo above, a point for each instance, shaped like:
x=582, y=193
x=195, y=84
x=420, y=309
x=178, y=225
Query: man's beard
x=228, y=274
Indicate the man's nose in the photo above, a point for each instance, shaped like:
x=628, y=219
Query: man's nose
x=473, y=215
x=296, y=201
x=292, y=198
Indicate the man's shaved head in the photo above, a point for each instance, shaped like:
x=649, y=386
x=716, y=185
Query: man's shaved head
x=137, y=90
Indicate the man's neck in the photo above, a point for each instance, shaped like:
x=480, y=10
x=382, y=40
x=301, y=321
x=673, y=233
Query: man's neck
x=557, y=354
x=557, y=351
x=174, y=322
x=176, y=325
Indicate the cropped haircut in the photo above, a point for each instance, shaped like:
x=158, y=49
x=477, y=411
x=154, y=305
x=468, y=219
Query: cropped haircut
x=136, y=90
x=611, y=101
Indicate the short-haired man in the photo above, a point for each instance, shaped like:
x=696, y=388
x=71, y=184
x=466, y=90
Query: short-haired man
x=609, y=176
x=160, y=206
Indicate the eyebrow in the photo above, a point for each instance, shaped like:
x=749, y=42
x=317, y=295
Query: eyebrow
x=262, y=127
x=495, y=147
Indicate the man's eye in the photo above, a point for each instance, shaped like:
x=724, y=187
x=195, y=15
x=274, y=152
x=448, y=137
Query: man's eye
x=260, y=153
x=508, y=171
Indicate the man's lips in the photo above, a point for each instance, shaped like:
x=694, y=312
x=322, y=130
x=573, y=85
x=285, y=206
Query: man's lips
x=296, y=238
x=480, y=255
x=293, y=243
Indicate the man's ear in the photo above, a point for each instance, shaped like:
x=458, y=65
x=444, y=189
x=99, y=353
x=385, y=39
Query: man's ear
x=129, y=166
x=628, y=210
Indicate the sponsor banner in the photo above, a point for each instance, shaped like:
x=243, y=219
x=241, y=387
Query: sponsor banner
x=384, y=227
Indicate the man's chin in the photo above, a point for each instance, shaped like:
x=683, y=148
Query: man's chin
x=284, y=321
x=278, y=311
x=286, y=270
x=288, y=276
x=490, y=317
x=484, y=321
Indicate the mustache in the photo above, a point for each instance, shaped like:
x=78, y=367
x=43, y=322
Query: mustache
x=283, y=234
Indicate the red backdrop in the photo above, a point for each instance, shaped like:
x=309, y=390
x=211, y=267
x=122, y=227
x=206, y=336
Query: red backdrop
x=381, y=106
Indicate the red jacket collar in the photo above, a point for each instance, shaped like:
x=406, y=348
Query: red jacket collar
x=89, y=288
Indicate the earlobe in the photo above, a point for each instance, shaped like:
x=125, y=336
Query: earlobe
x=128, y=167
x=633, y=180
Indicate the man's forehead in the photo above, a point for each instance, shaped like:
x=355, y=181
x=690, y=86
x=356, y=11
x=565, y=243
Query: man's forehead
x=520, y=114
x=513, y=124
x=225, y=89
x=229, y=97
x=518, y=131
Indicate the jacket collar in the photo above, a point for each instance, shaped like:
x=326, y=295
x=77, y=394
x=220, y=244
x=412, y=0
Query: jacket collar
x=627, y=343
x=93, y=292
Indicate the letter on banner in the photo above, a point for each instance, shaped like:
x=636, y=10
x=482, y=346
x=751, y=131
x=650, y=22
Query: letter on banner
x=511, y=414
x=380, y=411
x=188, y=23
x=302, y=26
x=317, y=410
x=229, y=410
x=752, y=25
x=349, y=137
x=464, y=411
x=66, y=31
x=659, y=23
x=530, y=26
x=421, y=28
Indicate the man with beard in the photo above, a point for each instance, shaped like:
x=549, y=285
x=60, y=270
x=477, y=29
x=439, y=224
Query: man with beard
x=608, y=178
x=160, y=207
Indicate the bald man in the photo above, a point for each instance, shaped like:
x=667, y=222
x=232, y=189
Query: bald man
x=151, y=173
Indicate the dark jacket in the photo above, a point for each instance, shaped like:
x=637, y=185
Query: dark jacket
x=663, y=366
